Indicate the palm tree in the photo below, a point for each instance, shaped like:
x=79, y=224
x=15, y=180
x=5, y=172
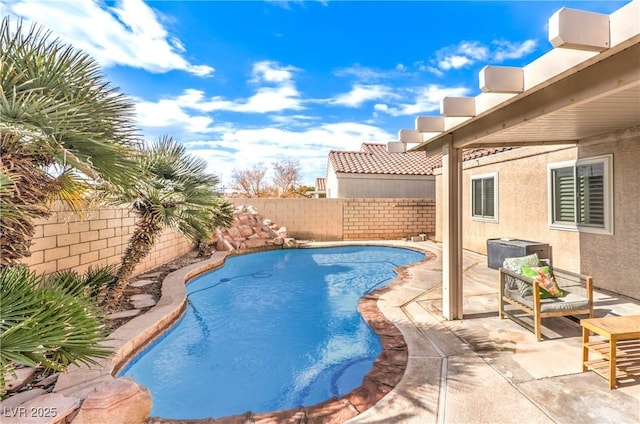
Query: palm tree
x=64, y=131
x=176, y=192
x=47, y=323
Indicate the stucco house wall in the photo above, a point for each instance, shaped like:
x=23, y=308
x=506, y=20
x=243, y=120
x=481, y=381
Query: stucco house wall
x=612, y=260
x=374, y=172
x=384, y=186
x=523, y=210
x=333, y=189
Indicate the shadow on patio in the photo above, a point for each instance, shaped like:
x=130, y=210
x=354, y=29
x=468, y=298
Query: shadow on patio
x=482, y=369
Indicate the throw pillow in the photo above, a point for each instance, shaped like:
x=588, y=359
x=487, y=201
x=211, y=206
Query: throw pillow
x=525, y=289
x=543, y=275
x=516, y=264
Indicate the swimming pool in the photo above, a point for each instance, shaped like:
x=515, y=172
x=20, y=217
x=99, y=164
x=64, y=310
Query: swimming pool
x=269, y=331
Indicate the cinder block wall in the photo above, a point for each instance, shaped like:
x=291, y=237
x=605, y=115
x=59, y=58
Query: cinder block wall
x=68, y=240
x=98, y=237
x=386, y=219
x=348, y=219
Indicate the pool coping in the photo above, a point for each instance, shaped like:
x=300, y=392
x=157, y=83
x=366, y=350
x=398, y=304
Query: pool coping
x=139, y=333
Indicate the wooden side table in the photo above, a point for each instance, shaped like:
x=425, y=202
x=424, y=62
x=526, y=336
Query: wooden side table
x=619, y=351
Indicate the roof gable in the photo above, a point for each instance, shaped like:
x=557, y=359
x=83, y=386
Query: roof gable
x=375, y=159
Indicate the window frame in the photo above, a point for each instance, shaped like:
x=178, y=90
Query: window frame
x=485, y=218
x=607, y=226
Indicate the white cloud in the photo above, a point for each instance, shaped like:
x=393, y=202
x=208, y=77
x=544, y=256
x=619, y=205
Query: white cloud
x=473, y=49
x=130, y=32
x=427, y=99
x=362, y=73
x=269, y=71
x=360, y=94
x=280, y=95
x=266, y=99
x=271, y=99
x=240, y=148
x=454, y=62
x=166, y=113
x=467, y=53
x=507, y=50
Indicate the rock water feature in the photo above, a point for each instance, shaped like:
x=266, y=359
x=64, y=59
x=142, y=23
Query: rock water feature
x=250, y=230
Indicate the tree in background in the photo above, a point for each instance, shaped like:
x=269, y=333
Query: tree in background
x=286, y=176
x=176, y=192
x=250, y=181
x=64, y=132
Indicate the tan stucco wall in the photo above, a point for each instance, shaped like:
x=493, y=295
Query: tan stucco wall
x=613, y=259
x=523, y=209
x=332, y=182
x=522, y=202
x=385, y=186
x=67, y=240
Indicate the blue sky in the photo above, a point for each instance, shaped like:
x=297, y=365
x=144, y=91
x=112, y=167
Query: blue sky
x=245, y=82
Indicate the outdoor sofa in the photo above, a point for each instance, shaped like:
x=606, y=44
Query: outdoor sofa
x=524, y=293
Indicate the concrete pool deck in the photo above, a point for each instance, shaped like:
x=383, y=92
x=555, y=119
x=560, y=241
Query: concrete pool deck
x=482, y=369
x=476, y=370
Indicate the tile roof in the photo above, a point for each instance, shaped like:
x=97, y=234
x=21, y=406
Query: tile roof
x=469, y=154
x=321, y=184
x=374, y=159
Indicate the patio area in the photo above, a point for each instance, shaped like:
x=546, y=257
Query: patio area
x=482, y=369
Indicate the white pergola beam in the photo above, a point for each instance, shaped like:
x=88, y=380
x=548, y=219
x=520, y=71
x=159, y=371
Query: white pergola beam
x=486, y=101
x=396, y=147
x=458, y=107
x=430, y=124
x=579, y=29
x=501, y=79
x=624, y=23
x=410, y=136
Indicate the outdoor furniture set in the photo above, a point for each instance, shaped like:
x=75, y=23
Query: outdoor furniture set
x=533, y=286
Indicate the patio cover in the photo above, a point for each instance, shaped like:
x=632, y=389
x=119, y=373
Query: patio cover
x=581, y=90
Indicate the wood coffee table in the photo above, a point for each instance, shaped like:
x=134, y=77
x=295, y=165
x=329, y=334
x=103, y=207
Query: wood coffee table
x=619, y=351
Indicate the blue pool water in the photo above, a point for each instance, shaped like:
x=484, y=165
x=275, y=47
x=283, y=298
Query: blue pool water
x=269, y=331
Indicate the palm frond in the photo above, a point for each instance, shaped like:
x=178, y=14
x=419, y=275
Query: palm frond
x=46, y=325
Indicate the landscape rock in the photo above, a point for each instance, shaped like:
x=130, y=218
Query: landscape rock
x=255, y=242
x=124, y=314
x=141, y=283
x=143, y=303
x=45, y=382
x=21, y=378
x=290, y=243
x=18, y=399
x=249, y=231
x=117, y=401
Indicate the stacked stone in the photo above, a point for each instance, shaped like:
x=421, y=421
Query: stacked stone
x=249, y=230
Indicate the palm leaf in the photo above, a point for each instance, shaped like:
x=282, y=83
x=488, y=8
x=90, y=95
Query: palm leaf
x=46, y=325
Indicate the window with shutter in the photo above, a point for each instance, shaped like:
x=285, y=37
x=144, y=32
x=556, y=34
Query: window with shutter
x=564, y=195
x=581, y=195
x=590, y=194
